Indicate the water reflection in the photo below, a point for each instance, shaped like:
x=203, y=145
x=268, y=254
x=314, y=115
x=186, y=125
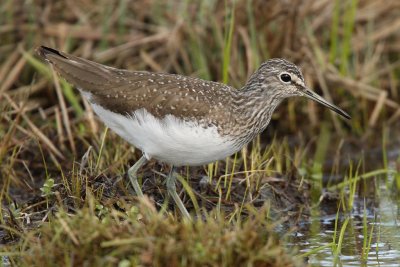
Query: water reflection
x=381, y=217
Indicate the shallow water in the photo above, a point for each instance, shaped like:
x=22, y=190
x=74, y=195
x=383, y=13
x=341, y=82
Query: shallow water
x=5, y=261
x=382, y=214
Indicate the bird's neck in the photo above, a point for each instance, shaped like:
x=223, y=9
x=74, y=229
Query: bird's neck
x=255, y=106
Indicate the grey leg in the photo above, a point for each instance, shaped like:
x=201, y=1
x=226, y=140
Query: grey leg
x=171, y=179
x=132, y=174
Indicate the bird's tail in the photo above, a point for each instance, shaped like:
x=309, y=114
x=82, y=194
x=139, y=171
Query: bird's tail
x=82, y=73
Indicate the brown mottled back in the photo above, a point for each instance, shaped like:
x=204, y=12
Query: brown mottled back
x=123, y=91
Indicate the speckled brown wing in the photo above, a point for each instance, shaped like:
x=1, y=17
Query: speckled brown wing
x=160, y=94
x=163, y=94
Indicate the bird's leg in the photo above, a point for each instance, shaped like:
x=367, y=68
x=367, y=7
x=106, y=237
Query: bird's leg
x=172, y=191
x=132, y=174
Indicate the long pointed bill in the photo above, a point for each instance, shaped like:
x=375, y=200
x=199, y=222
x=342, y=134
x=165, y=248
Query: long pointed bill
x=311, y=95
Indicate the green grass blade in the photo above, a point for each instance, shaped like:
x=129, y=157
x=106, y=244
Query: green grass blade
x=349, y=21
x=334, y=36
x=228, y=42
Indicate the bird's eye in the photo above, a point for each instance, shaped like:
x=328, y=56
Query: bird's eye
x=285, y=78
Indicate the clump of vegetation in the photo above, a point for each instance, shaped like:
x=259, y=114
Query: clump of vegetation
x=142, y=236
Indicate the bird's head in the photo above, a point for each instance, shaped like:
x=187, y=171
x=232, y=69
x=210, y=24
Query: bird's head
x=281, y=79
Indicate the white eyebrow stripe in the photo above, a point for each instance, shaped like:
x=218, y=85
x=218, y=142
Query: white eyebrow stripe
x=297, y=80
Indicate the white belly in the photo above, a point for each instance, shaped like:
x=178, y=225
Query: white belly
x=170, y=139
